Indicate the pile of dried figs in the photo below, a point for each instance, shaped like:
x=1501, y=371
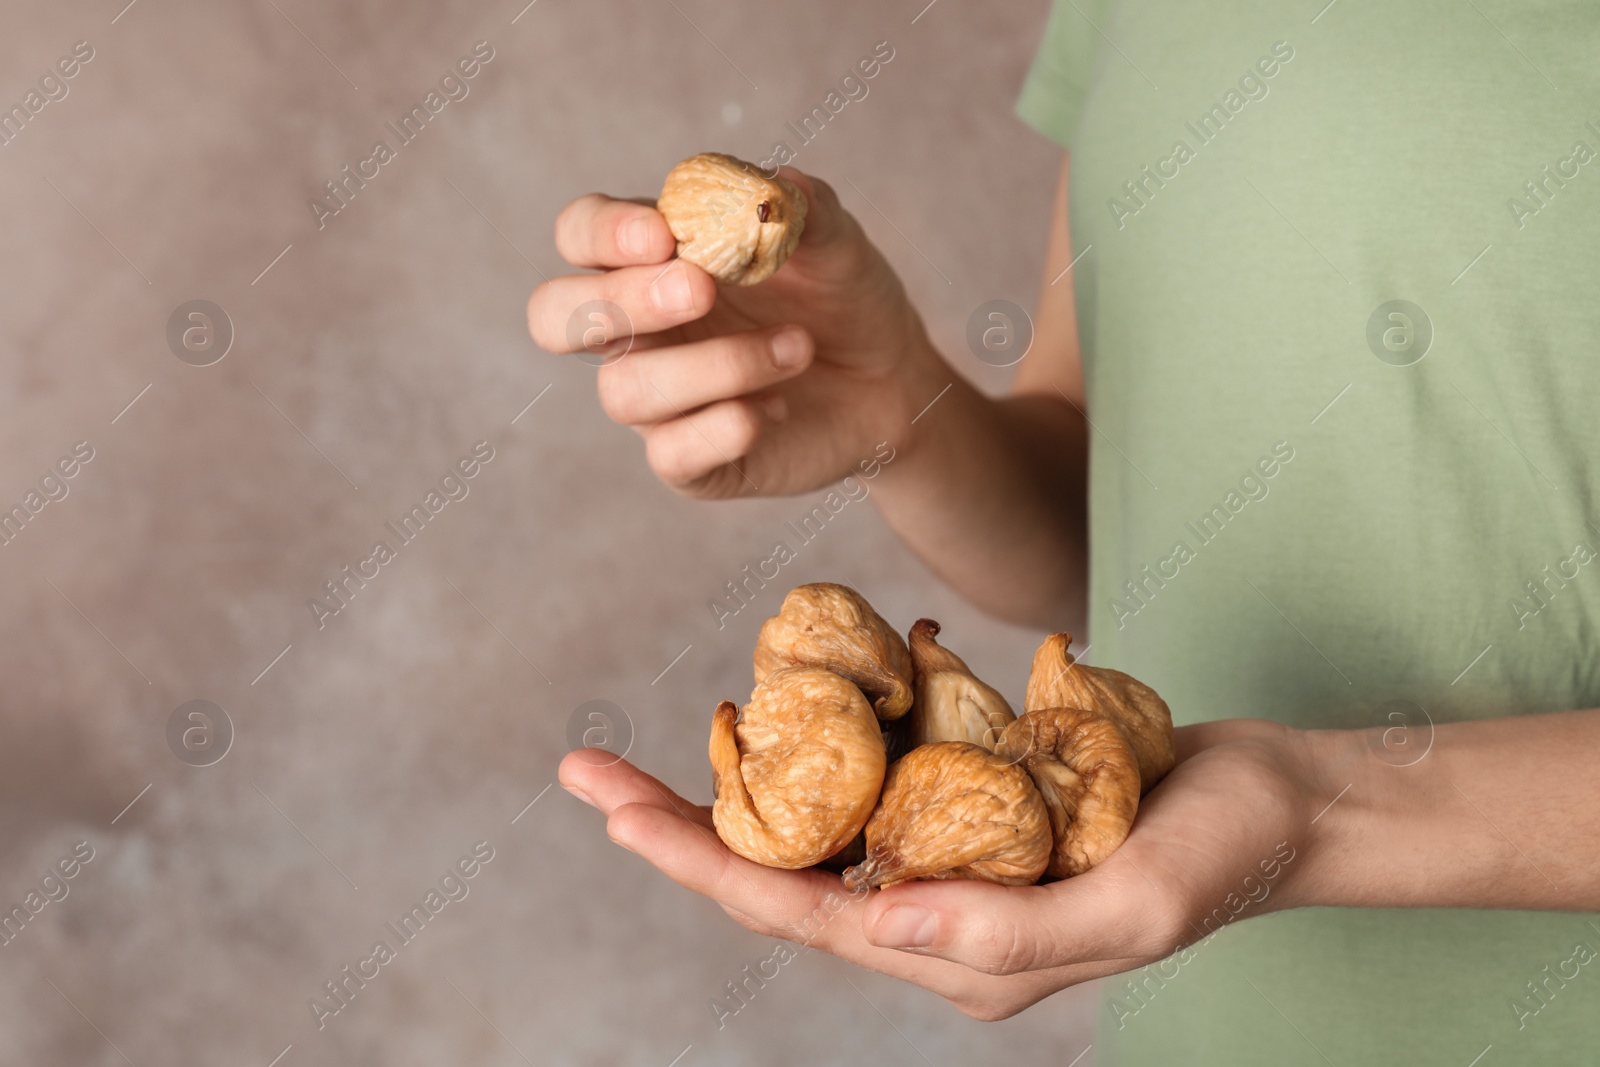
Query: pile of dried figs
x=893, y=761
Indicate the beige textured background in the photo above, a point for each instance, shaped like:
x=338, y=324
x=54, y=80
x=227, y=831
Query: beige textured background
x=374, y=752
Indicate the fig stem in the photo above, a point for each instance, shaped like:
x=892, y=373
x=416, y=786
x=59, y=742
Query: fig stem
x=927, y=655
x=859, y=876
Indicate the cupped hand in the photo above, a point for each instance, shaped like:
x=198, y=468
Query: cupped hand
x=1240, y=803
x=776, y=388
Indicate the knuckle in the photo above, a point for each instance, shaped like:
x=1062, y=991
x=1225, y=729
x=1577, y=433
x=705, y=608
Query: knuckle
x=623, y=288
x=808, y=931
x=702, y=288
x=620, y=820
x=721, y=483
x=571, y=219
x=699, y=489
x=997, y=945
x=699, y=459
x=670, y=460
x=664, y=466
x=743, y=429
x=745, y=362
x=539, y=320
x=1014, y=952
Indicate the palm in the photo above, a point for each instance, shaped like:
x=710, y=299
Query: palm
x=1199, y=835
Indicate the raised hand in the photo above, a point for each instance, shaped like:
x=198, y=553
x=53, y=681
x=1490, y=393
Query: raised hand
x=775, y=388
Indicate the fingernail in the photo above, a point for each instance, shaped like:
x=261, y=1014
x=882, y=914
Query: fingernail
x=906, y=926
x=775, y=408
x=634, y=237
x=788, y=349
x=671, y=292
x=580, y=794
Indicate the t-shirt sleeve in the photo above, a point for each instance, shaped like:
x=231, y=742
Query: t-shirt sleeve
x=1058, y=79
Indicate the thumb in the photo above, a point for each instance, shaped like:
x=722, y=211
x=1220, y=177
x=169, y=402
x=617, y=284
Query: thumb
x=826, y=219
x=1002, y=930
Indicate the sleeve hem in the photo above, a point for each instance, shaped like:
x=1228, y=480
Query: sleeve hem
x=1051, y=108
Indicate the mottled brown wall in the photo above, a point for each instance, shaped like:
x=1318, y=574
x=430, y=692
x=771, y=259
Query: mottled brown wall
x=373, y=354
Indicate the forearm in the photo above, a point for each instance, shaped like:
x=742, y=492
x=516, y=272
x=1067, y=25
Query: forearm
x=1503, y=813
x=992, y=495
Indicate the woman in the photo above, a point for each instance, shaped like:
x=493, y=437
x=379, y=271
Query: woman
x=1324, y=286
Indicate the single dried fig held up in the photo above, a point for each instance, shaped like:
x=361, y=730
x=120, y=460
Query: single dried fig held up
x=951, y=703
x=1088, y=776
x=954, y=810
x=730, y=219
x=1059, y=681
x=798, y=771
x=833, y=627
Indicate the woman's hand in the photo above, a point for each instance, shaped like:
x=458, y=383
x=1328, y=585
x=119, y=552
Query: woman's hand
x=776, y=388
x=1226, y=835
x=789, y=385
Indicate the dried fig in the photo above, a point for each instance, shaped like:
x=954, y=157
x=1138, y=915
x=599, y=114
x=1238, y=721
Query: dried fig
x=1088, y=776
x=1059, y=681
x=951, y=703
x=798, y=771
x=833, y=627
x=849, y=856
x=730, y=219
x=955, y=810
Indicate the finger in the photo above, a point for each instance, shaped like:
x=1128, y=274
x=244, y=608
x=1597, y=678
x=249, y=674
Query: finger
x=826, y=219
x=651, y=298
x=1102, y=915
x=599, y=778
x=809, y=907
x=670, y=381
x=685, y=451
x=695, y=857
x=599, y=231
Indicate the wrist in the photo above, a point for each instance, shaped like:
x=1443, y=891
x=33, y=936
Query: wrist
x=1335, y=797
x=923, y=382
x=1380, y=818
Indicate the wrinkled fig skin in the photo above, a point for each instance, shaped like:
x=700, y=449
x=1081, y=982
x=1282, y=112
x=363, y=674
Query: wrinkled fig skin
x=798, y=770
x=954, y=810
x=834, y=628
x=951, y=703
x=1089, y=779
x=849, y=856
x=1059, y=681
x=730, y=219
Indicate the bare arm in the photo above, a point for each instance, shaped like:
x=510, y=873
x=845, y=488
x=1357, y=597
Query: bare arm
x=1256, y=817
x=993, y=494
x=1503, y=813
x=786, y=386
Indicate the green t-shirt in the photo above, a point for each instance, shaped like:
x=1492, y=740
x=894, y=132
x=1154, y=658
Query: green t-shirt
x=1312, y=504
